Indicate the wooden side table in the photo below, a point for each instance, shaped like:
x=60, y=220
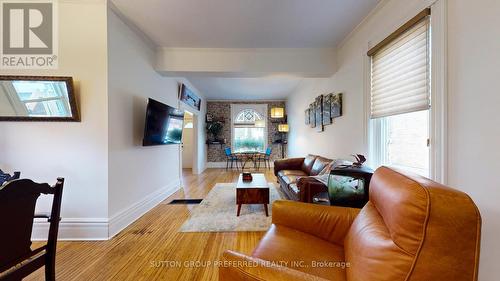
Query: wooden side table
x=254, y=192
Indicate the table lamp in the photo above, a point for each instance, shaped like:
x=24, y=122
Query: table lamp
x=283, y=129
x=277, y=112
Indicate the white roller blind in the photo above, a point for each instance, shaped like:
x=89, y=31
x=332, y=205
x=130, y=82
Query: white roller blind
x=400, y=73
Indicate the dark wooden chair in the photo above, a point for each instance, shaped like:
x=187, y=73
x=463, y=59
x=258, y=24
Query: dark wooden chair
x=17, y=212
x=4, y=177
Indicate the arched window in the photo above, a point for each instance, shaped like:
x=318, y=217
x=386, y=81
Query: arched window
x=249, y=127
x=247, y=116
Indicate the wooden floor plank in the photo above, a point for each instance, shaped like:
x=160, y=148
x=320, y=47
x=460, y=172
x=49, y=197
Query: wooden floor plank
x=141, y=251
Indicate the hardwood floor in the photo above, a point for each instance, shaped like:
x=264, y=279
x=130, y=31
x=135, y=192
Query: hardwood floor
x=152, y=248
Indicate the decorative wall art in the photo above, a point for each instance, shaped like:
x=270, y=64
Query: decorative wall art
x=323, y=110
x=189, y=97
x=327, y=119
x=336, y=105
x=319, y=113
x=312, y=115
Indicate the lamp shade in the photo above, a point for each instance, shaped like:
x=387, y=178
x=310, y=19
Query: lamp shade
x=283, y=128
x=277, y=112
x=260, y=123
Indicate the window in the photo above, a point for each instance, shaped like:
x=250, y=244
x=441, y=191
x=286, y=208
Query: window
x=42, y=98
x=400, y=97
x=249, y=128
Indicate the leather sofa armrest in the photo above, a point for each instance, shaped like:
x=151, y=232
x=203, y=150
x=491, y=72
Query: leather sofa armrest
x=326, y=222
x=309, y=187
x=236, y=266
x=288, y=164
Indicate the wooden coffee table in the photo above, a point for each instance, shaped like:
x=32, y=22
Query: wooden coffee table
x=254, y=192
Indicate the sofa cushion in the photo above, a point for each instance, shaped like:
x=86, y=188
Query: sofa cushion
x=300, y=250
x=326, y=169
x=308, y=163
x=319, y=164
x=290, y=179
x=291, y=172
x=293, y=187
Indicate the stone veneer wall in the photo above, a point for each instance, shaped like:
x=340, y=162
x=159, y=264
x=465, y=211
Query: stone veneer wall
x=221, y=110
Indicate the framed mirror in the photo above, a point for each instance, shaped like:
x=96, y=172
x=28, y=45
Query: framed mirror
x=37, y=98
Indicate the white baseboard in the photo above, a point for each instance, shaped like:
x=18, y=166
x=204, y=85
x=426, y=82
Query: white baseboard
x=91, y=229
x=128, y=215
x=73, y=229
x=219, y=165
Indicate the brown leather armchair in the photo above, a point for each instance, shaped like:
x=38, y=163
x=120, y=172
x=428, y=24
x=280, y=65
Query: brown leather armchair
x=411, y=229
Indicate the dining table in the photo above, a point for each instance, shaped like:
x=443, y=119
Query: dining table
x=249, y=155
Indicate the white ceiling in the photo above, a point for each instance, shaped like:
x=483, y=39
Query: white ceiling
x=246, y=23
x=264, y=88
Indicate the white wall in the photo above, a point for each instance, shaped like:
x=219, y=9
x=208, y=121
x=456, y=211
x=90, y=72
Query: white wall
x=44, y=151
x=139, y=177
x=340, y=139
x=110, y=178
x=473, y=120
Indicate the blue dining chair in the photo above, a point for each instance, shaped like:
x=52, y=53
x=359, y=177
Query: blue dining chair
x=230, y=157
x=266, y=157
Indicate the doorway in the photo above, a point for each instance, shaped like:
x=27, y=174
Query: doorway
x=187, y=153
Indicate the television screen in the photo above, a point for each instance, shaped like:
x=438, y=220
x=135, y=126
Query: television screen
x=163, y=124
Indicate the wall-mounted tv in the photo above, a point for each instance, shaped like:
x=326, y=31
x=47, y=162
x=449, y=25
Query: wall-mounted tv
x=163, y=124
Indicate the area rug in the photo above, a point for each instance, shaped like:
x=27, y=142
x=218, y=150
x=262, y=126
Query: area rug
x=217, y=212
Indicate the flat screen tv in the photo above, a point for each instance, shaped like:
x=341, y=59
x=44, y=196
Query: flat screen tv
x=163, y=124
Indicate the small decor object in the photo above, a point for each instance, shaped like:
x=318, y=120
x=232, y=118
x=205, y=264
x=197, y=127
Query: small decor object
x=247, y=177
x=360, y=159
x=336, y=106
x=277, y=112
x=209, y=118
x=327, y=119
x=312, y=116
x=319, y=113
x=189, y=97
x=308, y=116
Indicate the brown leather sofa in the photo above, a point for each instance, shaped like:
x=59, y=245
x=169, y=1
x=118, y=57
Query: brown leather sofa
x=293, y=176
x=411, y=229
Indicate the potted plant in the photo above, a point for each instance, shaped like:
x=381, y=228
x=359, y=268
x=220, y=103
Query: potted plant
x=214, y=129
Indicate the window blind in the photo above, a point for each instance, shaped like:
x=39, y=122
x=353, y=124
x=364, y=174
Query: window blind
x=400, y=72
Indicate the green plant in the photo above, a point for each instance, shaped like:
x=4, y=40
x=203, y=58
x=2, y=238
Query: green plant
x=214, y=129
